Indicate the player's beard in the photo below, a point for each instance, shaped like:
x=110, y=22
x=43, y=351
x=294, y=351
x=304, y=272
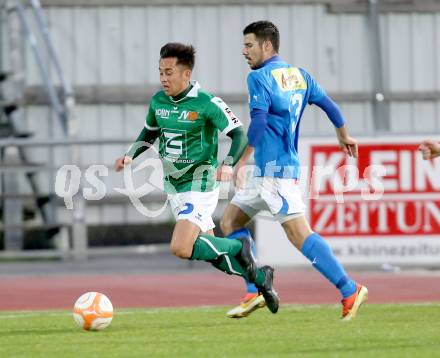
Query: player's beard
x=256, y=66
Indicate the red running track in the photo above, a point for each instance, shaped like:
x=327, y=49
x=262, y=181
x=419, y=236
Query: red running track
x=195, y=289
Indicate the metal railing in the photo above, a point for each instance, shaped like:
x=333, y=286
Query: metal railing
x=63, y=103
x=75, y=230
x=70, y=245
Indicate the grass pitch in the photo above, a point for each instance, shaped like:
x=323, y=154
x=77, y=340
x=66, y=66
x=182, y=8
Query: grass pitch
x=302, y=331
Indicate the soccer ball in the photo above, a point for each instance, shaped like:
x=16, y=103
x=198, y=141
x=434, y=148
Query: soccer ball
x=93, y=311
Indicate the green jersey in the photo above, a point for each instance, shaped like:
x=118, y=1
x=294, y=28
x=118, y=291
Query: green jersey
x=188, y=138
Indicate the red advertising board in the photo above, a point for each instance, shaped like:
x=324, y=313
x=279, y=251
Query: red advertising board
x=388, y=191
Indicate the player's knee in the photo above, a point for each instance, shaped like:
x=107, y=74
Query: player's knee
x=180, y=250
x=224, y=226
x=297, y=231
x=227, y=225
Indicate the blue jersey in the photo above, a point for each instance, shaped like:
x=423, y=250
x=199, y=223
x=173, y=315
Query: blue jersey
x=283, y=92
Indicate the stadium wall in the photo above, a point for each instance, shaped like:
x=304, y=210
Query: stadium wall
x=108, y=50
x=104, y=46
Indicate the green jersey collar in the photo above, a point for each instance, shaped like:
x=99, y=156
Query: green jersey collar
x=193, y=92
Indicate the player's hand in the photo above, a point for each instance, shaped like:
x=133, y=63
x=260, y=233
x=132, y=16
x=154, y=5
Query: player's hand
x=225, y=173
x=349, y=146
x=430, y=149
x=120, y=162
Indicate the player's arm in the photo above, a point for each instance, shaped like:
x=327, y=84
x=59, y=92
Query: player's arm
x=330, y=107
x=259, y=103
x=247, y=153
x=238, y=145
x=257, y=127
x=225, y=120
x=255, y=133
x=240, y=173
x=347, y=143
x=145, y=140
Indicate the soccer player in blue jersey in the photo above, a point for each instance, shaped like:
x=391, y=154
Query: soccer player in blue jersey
x=278, y=95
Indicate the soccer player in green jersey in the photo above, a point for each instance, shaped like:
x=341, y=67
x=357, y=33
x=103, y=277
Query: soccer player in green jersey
x=186, y=120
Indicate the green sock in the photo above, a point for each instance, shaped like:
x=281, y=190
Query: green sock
x=221, y=253
x=207, y=247
x=231, y=266
x=260, y=277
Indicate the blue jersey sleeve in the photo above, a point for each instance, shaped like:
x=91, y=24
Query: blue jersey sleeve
x=259, y=97
x=316, y=92
x=257, y=127
x=333, y=111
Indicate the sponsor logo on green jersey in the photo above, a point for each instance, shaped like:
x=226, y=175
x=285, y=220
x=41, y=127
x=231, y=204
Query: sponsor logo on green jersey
x=162, y=113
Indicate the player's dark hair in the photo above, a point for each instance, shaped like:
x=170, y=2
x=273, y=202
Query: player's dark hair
x=264, y=31
x=185, y=54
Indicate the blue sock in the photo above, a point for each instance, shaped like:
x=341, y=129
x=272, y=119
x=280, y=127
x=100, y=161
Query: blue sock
x=316, y=249
x=250, y=287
